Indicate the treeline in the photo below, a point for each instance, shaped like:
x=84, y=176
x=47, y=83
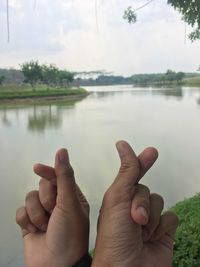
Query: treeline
x=102, y=80
x=33, y=73
x=159, y=79
x=170, y=77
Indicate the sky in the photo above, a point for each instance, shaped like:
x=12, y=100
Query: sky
x=74, y=35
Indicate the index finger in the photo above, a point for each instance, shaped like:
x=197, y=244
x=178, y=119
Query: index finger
x=146, y=159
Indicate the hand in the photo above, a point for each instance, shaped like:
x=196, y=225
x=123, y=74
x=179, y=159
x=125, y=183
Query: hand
x=55, y=219
x=131, y=230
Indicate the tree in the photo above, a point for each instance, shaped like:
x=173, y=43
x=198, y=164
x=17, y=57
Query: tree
x=32, y=72
x=189, y=9
x=130, y=15
x=2, y=79
x=65, y=77
x=49, y=74
x=180, y=76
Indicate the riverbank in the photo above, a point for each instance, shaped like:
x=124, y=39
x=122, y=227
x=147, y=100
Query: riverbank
x=27, y=95
x=194, y=82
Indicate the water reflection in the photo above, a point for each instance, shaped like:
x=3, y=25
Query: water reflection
x=104, y=92
x=44, y=118
x=169, y=92
x=4, y=118
x=39, y=117
x=89, y=129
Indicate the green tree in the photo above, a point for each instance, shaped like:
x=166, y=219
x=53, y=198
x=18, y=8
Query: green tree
x=32, y=72
x=180, y=76
x=130, y=15
x=190, y=10
x=65, y=77
x=50, y=74
x=2, y=79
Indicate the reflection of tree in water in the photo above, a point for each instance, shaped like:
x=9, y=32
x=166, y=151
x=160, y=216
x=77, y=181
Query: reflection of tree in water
x=169, y=92
x=47, y=117
x=5, y=119
x=43, y=118
x=198, y=100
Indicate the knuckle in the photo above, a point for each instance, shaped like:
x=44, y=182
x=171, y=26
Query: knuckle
x=143, y=189
x=48, y=202
x=158, y=198
x=125, y=166
x=20, y=215
x=130, y=167
x=31, y=195
x=37, y=218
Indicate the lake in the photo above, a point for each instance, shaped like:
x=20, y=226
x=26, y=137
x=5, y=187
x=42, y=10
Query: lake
x=167, y=118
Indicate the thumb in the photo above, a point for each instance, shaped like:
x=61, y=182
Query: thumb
x=66, y=186
x=130, y=168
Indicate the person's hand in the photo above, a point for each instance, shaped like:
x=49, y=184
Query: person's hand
x=55, y=219
x=131, y=230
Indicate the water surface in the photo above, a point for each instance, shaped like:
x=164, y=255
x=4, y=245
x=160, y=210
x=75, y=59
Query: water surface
x=168, y=119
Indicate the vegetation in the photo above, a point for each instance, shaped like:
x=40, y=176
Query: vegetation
x=2, y=79
x=35, y=80
x=187, y=240
x=190, y=11
x=52, y=78
x=168, y=78
x=32, y=72
x=49, y=75
x=195, y=81
x=41, y=92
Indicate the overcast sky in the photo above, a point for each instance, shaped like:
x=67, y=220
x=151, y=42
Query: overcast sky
x=65, y=32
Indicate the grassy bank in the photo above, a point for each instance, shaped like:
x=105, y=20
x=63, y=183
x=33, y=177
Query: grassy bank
x=27, y=92
x=187, y=240
x=195, y=81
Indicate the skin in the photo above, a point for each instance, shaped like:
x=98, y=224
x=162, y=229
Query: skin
x=131, y=231
x=50, y=220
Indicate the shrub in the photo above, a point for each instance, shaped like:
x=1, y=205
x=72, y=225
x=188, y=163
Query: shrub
x=187, y=240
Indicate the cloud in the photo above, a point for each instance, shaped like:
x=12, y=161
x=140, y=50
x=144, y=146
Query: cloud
x=65, y=32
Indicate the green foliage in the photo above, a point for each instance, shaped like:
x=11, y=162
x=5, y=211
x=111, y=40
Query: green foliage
x=46, y=74
x=32, y=72
x=187, y=240
x=14, y=94
x=2, y=79
x=65, y=77
x=190, y=11
x=168, y=78
x=49, y=74
x=130, y=15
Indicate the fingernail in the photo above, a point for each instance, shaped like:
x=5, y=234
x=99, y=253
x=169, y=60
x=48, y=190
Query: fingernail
x=31, y=228
x=122, y=148
x=63, y=156
x=144, y=213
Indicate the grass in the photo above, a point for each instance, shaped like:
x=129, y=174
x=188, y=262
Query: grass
x=26, y=91
x=187, y=240
x=194, y=81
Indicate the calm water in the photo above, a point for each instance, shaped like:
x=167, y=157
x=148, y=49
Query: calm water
x=168, y=119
